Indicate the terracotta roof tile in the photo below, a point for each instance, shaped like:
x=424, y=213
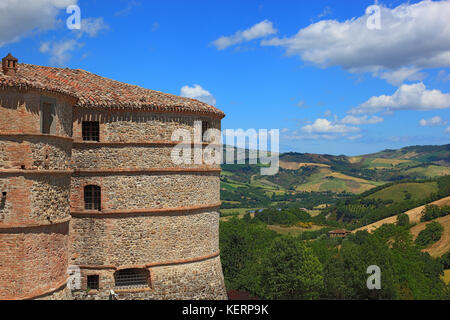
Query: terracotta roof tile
x=92, y=90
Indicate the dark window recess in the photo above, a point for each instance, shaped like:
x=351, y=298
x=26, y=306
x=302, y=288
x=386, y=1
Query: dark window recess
x=93, y=282
x=91, y=131
x=131, y=277
x=47, y=118
x=205, y=127
x=92, y=198
x=3, y=200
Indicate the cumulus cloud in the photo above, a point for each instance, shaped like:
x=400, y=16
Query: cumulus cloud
x=407, y=97
x=21, y=17
x=443, y=76
x=361, y=120
x=324, y=126
x=397, y=77
x=412, y=37
x=433, y=122
x=197, y=92
x=92, y=26
x=60, y=52
x=259, y=30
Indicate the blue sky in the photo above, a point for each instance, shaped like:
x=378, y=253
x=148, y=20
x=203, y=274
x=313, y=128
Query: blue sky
x=313, y=69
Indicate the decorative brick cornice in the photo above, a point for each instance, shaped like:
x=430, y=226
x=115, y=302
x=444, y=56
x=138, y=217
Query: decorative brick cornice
x=144, y=171
x=33, y=135
x=4, y=226
x=34, y=172
x=153, y=264
x=150, y=211
x=77, y=143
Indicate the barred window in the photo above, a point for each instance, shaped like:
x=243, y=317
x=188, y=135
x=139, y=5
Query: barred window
x=93, y=282
x=132, y=278
x=91, y=130
x=92, y=198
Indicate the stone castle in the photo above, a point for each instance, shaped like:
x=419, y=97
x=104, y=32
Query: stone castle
x=87, y=181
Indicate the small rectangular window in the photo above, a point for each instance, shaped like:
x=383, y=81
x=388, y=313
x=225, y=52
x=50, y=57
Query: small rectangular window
x=205, y=127
x=47, y=118
x=92, y=198
x=91, y=131
x=93, y=282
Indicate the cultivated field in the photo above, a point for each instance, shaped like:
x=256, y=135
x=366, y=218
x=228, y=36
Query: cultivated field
x=443, y=245
x=414, y=216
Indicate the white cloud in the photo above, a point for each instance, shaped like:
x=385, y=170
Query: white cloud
x=407, y=97
x=412, y=37
x=447, y=130
x=197, y=92
x=125, y=12
x=60, y=51
x=92, y=26
x=355, y=137
x=21, y=17
x=326, y=12
x=324, y=126
x=433, y=122
x=328, y=113
x=361, y=120
x=301, y=104
x=397, y=77
x=443, y=76
x=259, y=30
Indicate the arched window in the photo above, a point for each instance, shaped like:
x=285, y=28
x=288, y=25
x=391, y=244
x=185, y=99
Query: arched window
x=92, y=198
x=132, y=278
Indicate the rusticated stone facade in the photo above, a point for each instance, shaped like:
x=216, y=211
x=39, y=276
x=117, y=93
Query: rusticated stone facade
x=156, y=222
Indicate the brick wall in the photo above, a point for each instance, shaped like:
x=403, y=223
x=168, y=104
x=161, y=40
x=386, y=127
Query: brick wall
x=35, y=213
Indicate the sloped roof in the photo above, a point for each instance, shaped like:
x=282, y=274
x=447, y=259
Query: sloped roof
x=94, y=91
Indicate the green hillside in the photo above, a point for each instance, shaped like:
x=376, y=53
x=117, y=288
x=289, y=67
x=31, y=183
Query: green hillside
x=300, y=173
x=405, y=191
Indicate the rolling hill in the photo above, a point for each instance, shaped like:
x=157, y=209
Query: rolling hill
x=317, y=173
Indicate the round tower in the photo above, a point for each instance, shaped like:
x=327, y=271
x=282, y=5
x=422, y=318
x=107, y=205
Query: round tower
x=143, y=226
x=35, y=176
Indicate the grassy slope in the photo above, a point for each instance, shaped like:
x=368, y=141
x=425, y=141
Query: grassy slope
x=397, y=192
x=443, y=245
x=414, y=216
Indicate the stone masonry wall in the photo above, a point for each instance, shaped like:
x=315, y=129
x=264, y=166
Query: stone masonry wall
x=202, y=280
x=124, y=240
x=92, y=156
x=137, y=126
x=146, y=191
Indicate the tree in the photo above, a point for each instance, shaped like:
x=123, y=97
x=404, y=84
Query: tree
x=432, y=233
x=402, y=220
x=291, y=271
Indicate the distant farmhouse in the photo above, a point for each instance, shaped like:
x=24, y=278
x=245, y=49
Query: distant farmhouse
x=340, y=233
x=87, y=181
